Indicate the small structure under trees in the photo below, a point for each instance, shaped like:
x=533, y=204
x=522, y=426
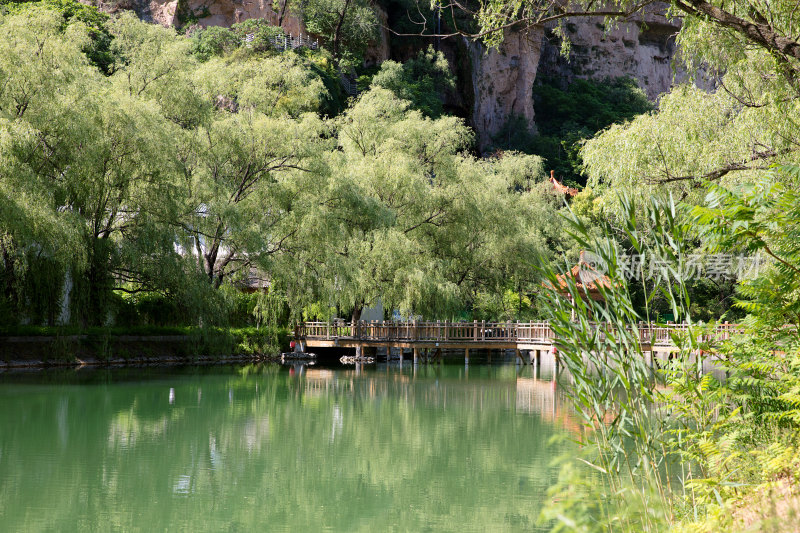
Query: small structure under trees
x=588, y=281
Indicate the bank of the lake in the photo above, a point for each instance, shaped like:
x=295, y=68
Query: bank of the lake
x=30, y=346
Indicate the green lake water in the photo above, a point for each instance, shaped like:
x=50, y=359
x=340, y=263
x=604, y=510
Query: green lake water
x=274, y=448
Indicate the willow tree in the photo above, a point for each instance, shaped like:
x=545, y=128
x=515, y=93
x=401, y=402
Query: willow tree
x=30, y=223
x=244, y=165
x=96, y=153
x=404, y=215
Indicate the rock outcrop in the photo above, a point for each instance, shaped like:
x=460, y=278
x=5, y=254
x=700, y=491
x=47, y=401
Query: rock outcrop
x=642, y=49
x=178, y=13
x=157, y=11
x=229, y=12
x=495, y=85
x=502, y=82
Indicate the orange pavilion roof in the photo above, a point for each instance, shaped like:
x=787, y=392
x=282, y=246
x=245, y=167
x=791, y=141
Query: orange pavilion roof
x=587, y=279
x=560, y=187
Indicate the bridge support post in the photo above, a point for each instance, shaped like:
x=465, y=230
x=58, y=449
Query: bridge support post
x=416, y=355
x=466, y=356
x=519, y=356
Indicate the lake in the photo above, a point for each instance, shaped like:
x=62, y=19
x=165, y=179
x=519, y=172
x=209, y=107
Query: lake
x=268, y=447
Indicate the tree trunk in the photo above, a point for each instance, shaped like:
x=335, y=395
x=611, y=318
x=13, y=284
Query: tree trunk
x=337, y=33
x=355, y=316
x=9, y=275
x=282, y=13
x=99, y=283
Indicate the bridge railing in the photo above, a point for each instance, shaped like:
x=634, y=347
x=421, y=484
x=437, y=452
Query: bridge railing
x=482, y=331
x=427, y=331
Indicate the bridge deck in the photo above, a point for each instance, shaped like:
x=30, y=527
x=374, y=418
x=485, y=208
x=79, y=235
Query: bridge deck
x=469, y=335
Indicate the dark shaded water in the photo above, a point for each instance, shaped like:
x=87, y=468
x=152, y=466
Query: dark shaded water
x=266, y=447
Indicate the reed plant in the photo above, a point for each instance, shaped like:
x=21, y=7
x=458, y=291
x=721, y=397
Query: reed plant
x=664, y=445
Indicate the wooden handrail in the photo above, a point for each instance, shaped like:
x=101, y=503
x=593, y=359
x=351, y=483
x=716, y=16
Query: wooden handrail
x=479, y=332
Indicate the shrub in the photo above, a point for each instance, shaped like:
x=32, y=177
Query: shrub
x=213, y=41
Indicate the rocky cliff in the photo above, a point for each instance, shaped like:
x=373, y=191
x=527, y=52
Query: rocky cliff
x=178, y=13
x=502, y=79
x=502, y=82
x=495, y=84
x=641, y=49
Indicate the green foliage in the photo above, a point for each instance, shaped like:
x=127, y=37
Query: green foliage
x=728, y=135
x=587, y=105
x=98, y=48
x=761, y=219
x=346, y=26
x=685, y=452
x=261, y=341
x=422, y=81
x=612, y=389
x=334, y=99
x=214, y=41
x=413, y=220
x=168, y=183
x=567, y=117
x=509, y=305
x=264, y=34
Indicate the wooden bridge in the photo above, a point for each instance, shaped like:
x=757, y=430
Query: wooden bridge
x=422, y=337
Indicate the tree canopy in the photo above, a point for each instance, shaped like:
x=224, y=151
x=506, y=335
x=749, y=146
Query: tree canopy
x=183, y=174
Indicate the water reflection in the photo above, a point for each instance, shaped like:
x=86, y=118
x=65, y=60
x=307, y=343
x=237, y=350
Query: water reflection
x=381, y=447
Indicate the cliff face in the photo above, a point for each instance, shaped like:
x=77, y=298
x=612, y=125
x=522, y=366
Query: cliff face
x=158, y=11
x=502, y=82
x=642, y=50
x=229, y=12
x=494, y=85
x=225, y=13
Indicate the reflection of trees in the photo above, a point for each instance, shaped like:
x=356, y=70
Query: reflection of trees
x=349, y=452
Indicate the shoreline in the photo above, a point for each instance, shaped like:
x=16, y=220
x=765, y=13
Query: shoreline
x=93, y=362
x=129, y=348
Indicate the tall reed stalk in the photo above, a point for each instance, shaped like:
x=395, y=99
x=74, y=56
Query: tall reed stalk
x=627, y=437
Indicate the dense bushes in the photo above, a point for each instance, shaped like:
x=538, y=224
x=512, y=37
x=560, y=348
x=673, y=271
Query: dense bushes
x=423, y=80
x=218, y=41
x=214, y=41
